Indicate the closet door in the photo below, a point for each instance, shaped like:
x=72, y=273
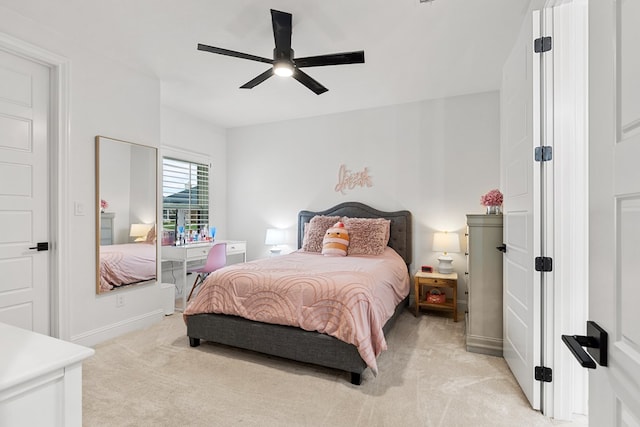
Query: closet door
x=520, y=120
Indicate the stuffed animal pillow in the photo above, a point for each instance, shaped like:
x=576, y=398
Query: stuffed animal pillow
x=336, y=240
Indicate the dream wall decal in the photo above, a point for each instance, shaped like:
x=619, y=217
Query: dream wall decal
x=348, y=180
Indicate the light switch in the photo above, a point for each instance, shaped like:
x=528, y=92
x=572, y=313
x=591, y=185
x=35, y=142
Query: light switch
x=78, y=208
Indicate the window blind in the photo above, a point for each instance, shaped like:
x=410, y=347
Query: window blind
x=185, y=195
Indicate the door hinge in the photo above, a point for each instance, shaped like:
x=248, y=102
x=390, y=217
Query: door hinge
x=544, y=263
x=542, y=44
x=544, y=374
x=543, y=153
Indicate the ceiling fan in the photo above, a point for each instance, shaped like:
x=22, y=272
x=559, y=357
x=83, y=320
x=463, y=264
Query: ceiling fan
x=284, y=64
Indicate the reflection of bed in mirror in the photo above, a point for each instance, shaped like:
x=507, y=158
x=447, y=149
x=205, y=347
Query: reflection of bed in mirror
x=126, y=189
x=126, y=264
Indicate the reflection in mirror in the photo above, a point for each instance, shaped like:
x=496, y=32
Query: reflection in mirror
x=126, y=216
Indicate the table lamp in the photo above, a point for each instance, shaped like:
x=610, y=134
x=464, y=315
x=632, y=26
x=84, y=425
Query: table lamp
x=275, y=237
x=139, y=231
x=445, y=243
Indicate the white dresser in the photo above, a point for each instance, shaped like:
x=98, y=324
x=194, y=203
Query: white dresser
x=40, y=379
x=107, y=236
x=484, y=284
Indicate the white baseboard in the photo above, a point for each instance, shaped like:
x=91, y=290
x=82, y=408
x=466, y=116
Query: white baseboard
x=484, y=345
x=104, y=333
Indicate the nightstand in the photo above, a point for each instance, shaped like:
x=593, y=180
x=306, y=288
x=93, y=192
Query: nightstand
x=425, y=281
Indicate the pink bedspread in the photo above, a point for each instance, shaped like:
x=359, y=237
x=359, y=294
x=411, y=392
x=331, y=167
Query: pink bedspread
x=126, y=264
x=350, y=298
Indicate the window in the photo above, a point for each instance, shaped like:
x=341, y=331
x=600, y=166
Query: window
x=185, y=198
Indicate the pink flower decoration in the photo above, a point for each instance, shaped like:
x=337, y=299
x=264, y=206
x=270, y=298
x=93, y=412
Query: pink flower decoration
x=492, y=198
x=104, y=204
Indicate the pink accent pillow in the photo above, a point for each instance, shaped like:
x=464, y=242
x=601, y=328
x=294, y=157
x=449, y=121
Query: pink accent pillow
x=314, y=232
x=336, y=240
x=367, y=236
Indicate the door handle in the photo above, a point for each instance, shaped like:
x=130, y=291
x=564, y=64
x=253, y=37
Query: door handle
x=502, y=248
x=41, y=246
x=596, y=342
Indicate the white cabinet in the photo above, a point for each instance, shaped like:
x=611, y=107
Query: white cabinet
x=484, y=284
x=40, y=379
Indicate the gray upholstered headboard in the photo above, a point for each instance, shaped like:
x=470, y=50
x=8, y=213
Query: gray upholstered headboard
x=400, y=238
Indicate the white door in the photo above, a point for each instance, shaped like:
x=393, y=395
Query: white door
x=24, y=193
x=614, y=197
x=520, y=133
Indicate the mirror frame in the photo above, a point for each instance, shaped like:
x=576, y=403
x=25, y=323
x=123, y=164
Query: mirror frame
x=99, y=139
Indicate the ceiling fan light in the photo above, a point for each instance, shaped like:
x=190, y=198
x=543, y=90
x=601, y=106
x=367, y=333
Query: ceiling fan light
x=283, y=69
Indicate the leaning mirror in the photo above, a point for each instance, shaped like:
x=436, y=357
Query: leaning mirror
x=126, y=191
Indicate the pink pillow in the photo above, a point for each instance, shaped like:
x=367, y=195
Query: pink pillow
x=314, y=232
x=367, y=236
x=151, y=234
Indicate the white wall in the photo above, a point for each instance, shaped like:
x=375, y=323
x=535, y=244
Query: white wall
x=106, y=98
x=434, y=158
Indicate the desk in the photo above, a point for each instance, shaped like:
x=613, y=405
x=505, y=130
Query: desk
x=199, y=252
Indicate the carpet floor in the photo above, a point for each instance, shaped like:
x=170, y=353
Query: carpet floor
x=426, y=378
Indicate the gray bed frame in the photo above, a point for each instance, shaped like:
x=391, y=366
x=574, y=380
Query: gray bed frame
x=295, y=343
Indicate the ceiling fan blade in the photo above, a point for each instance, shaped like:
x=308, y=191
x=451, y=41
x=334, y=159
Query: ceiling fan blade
x=331, y=59
x=233, y=53
x=282, y=31
x=309, y=82
x=256, y=81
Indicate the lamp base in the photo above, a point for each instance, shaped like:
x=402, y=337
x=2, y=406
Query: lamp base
x=445, y=267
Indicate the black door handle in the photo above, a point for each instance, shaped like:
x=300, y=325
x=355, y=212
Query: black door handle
x=41, y=246
x=502, y=248
x=596, y=343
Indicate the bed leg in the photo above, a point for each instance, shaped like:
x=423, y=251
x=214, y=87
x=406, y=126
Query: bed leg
x=356, y=379
x=194, y=342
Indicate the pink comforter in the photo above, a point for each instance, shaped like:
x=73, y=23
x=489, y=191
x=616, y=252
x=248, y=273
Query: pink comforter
x=350, y=298
x=126, y=264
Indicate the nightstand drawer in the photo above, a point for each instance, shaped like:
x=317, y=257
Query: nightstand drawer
x=437, y=282
x=236, y=248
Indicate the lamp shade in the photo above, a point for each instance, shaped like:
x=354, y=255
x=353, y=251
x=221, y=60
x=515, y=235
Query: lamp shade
x=446, y=242
x=274, y=236
x=139, y=231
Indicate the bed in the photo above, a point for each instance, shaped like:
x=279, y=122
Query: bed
x=311, y=346
x=126, y=264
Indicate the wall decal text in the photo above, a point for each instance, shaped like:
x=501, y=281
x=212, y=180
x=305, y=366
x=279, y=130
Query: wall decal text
x=348, y=180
